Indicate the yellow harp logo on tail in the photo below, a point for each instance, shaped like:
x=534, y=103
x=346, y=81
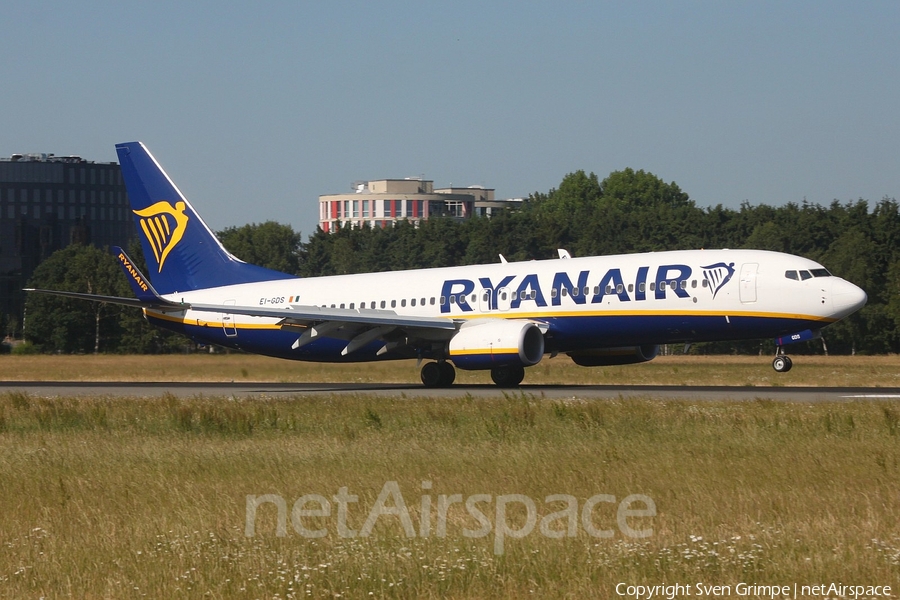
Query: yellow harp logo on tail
x=164, y=226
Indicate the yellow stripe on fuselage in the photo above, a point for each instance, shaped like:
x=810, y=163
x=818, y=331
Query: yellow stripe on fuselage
x=471, y=351
x=533, y=316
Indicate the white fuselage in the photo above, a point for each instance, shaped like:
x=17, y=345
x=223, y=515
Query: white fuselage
x=592, y=302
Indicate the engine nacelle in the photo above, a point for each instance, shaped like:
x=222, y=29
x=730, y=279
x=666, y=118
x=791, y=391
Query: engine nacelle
x=484, y=344
x=623, y=355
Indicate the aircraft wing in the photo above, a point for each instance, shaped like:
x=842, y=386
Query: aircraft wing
x=298, y=314
x=357, y=327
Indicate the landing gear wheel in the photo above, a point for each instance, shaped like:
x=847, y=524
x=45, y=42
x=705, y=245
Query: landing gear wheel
x=436, y=375
x=508, y=376
x=431, y=375
x=782, y=364
x=448, y=374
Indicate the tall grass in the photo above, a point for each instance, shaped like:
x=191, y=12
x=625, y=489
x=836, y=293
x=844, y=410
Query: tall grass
x=107, y=497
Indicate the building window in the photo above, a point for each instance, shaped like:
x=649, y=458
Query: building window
x=365, y=212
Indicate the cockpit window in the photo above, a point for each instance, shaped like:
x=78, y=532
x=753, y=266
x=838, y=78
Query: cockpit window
x=804, y=275
x=792, y=275
x=820, y=272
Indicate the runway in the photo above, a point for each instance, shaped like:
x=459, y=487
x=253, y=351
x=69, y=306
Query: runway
x=552, y=392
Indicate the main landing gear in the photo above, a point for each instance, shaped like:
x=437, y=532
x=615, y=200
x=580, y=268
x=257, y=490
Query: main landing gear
x=438, y=374
x=442, y=374
x=782, y=362
x=508, y=376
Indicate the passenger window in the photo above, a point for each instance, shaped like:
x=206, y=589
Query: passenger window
x=342, y=305
x=705, y=283
x=630, y=287
x=352, y=304
x=792, y=275
x=432, y=300
x=642, y=287
x=662, y=286
x=382, y=304
x=684, y=284
x=576, y=292
x=443, y=300
x=393, y=304
x=804, y=275
x=620, y=288
x=587, y=290
x=609, y=289
x=462, y=299
x=552, y=293
x=403, y=303
x=413, y=302
x=503, y=296
x=693, y=283
x=564, y=292
x=653, y=286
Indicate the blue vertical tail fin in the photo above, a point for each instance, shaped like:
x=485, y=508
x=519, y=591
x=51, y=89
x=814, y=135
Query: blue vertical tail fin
x=182, y=253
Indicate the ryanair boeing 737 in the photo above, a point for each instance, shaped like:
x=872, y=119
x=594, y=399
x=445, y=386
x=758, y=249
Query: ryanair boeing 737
x=601, y=310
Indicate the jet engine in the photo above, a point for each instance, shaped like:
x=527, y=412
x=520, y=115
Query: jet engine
x=489, y=343
x=622, y=355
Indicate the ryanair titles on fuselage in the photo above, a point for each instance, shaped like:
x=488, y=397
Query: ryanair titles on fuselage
x=585, y=289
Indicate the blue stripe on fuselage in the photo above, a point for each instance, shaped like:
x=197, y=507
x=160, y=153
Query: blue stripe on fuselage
x=565, y=333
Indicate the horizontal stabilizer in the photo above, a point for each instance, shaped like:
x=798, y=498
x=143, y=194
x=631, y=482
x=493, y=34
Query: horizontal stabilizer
x=146, y=295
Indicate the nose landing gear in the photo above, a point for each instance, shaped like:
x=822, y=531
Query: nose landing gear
x=782, y=362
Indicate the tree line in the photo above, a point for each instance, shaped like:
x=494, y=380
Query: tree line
x=629, y=211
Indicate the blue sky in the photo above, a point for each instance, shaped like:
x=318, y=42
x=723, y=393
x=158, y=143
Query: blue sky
x=255, y=109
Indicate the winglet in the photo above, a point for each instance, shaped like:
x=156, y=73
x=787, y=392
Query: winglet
x=140, y=285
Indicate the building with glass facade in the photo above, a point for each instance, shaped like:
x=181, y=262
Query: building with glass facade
x=48, y=202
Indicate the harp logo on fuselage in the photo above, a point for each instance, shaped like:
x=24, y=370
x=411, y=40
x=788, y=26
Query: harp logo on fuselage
x=163, y=226
x=718, y=275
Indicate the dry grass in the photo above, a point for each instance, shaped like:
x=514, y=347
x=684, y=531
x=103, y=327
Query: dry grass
x=857, y=371
x=131, y=498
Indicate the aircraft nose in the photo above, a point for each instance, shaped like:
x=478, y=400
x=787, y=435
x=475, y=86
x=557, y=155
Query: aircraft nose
x=846, y=297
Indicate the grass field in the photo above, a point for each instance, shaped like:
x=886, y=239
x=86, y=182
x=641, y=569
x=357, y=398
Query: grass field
x=861, y=371
x=125, y=498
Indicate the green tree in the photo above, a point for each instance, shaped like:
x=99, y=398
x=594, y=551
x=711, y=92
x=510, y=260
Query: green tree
x=270, y=244
x=60, y=324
